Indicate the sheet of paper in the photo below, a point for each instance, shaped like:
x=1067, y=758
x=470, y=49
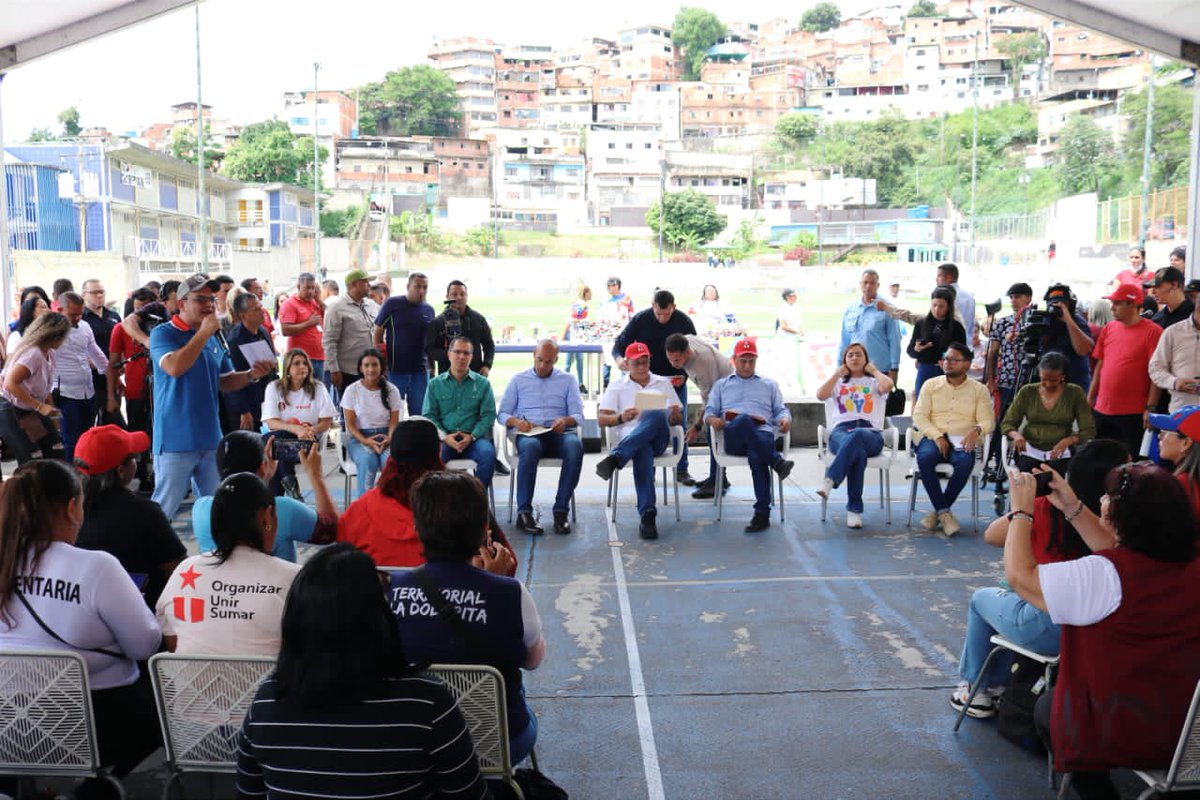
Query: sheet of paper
x=650, y=401
x=536, y=430
x=956, y=441
x=257, y=351
x=1043, y=455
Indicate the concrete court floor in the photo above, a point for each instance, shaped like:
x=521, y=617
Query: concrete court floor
x=806, y=661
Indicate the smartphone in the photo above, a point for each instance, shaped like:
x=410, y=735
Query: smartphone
x=290, y=448
x=1043, y=483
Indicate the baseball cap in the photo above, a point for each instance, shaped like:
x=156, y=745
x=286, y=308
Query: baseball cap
x=1128, y=293
x=106, y=447
x=415, y=439
x=637, y=350
x=747, y=346
x=1186, y=421
x=195, y=282
x=1019, y=288
x=1192, y=286
x=788, y=292
x=355, y=275
x=1168, y=275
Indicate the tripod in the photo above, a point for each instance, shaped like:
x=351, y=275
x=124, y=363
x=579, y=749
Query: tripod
x=996, y=470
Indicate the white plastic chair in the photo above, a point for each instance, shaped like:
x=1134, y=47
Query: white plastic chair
x=1184, y=772
x=882, y=462
x=507, y=436
x=668, y=462
x=202, y=701
x=469, y=465
x=1000, y=643
x=349, y=468
x=725, y=460
x=46, y=723
x=479, y=692
x=944, y=471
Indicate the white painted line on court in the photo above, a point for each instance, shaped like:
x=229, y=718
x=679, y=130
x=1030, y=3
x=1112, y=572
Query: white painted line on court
x=641, y=705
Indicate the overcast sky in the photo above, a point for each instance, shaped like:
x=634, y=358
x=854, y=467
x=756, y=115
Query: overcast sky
x=254, y=50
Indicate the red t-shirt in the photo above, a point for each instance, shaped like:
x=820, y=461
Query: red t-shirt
x=121, y=344
x=294, y=311
x=1125, y=376
x=267, y=323
x=1129, y=276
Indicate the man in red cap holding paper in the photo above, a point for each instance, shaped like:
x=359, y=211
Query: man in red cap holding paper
x=1122, y=395
x=639, y=409
x=749, y=408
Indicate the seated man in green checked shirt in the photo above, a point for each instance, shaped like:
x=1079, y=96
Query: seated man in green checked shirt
x=461, y=403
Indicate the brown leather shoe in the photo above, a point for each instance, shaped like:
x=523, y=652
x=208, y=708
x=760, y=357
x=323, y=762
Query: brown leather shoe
x=562, y=522
x=526, y=522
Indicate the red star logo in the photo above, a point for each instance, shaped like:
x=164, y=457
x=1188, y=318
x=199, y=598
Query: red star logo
x=189, y=577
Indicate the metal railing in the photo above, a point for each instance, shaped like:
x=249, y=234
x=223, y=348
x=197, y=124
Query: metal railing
x=145, y=249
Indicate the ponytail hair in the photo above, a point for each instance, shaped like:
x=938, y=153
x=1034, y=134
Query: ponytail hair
x=235, y=508
x=29, y=501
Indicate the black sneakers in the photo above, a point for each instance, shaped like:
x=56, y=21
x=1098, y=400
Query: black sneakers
x=607, y=466
x=647, y=529
x=760, y=521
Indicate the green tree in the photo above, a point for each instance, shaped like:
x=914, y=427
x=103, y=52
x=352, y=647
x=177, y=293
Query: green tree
x=1086, y=155
x=824, y=16
x=268, y=151
x=70, y=122
x=796, y=129
x=183, y=146
x=689, y=217
x=1170, y=148
x=925, y=8
x=1018, y=50
x=695, y=30
x=418, y=100
x=41, y=135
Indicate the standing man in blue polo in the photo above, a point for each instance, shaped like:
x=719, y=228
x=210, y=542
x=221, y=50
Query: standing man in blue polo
x=750, y=409
x=191, y=365
x=542, y=407
x=638, y=435
x=878, y=332
x=651, y=327
x=402, y=324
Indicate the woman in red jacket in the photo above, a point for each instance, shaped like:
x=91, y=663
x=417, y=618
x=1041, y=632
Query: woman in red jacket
x=380, y=523
x=1130, y=655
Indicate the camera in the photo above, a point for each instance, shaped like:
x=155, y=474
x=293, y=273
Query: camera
x=453, y=321
x=1059, y=301
x=289, y=449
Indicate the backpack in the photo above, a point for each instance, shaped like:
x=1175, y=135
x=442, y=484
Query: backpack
x=1014, y=708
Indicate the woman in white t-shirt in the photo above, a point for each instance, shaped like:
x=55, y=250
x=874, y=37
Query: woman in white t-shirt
x=54, y=596
x=373, y=408
x=230, y=601
x=295, y=407
x=855, y=396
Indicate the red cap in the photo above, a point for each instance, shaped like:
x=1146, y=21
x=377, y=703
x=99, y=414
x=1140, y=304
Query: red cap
x=106, y=447
x=747, y=346
x=637, y=350
x=1127, y=292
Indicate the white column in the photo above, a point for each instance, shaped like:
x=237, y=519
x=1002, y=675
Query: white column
x=6, y=299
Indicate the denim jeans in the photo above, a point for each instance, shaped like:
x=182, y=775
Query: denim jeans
x=318, y=369
x=997, y=610
x=482, y=452
x=520, y=745
x=577, y=360
x=412, y=388
x=743, y=438
x=367, y=462
x=928, y=457
x=77, y=417
x=174, y=471
x=647, y=440
x=852, y=444
x=531, y=449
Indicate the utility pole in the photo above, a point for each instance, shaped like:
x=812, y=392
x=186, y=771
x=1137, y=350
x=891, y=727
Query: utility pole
x=1146, y=148
x=6, y=299
x=662, y=204
x=974, y=139
x=202, y=193
x=316, y=176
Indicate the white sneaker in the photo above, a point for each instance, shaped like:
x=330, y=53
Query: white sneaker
x=984, y=704
x=826, y=488
x=930, y=521
x=853, y=520
x=950, y=525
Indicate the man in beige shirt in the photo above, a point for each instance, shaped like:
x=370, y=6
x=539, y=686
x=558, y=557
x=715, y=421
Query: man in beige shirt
x=705, y=365
x=1175, y=365
x=950, y=417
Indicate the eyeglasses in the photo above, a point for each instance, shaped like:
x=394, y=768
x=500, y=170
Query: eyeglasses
x=201, y=298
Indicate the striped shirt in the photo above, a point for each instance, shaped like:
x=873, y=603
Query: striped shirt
x=408, y=741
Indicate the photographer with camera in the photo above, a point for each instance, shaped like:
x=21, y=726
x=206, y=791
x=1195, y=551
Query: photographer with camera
x=1060, y=328
x=459, y=319
x=1122, y=403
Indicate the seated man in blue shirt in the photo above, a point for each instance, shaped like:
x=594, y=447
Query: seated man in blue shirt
x=541, y=407
x=638, y=434
x=750, y=408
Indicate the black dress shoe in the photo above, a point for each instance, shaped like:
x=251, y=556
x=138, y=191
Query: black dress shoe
x=562, y=522
x=526, y=522
x=704, y=491
x=607, y=466
x=783, y=467
x=759, y=522
x=647, y=529
x=684, y=478
x=502, y=468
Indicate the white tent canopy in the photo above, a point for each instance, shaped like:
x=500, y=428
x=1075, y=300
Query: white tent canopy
x=1168, y=27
